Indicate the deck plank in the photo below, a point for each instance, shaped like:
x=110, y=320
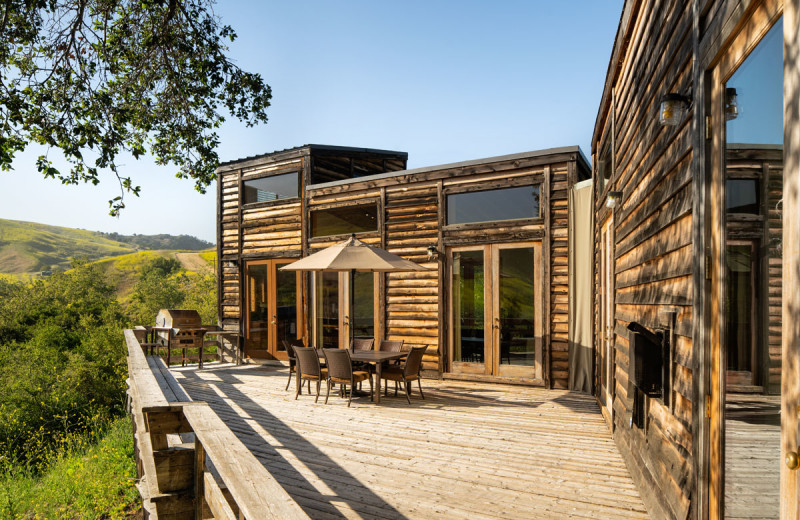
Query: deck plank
x=469, y=450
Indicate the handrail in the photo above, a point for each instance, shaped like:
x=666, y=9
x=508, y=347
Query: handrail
x=175, y=476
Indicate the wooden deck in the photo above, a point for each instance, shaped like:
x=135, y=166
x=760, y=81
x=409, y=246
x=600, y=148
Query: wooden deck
x=752, y=457
x=469, y=451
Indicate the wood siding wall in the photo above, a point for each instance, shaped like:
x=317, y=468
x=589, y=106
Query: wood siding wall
x=660, y=234
x=410, y=219
x=652, y=227
x=260, y=230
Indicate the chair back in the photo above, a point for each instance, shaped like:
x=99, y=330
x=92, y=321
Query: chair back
x=362, y=343
x=289, y=344
x=414, y=361
x=308, y=361
x=391, y=345
x=339, y=364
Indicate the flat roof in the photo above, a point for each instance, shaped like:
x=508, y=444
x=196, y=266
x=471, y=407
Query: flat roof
x=462, y=164
x=310, y=147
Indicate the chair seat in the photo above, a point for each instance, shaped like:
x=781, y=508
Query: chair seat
x=323, y=375
x=396, y=374
x=358, y=376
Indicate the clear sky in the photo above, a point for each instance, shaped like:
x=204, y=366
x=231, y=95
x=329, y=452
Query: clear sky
x=445, y=81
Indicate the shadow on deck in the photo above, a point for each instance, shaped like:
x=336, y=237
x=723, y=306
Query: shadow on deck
x=470, y=450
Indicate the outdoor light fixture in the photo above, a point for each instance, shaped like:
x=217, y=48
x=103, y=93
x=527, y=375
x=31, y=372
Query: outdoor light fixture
x=731, y=104
x=432, y=253
x=673, y=109
x=614, y=199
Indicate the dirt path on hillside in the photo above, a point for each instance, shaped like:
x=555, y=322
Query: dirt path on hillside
x=193, y=262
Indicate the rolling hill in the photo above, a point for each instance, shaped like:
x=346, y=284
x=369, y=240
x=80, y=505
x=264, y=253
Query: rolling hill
x=28, y=248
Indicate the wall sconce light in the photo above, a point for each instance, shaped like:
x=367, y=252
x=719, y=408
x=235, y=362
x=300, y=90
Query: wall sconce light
x=673, y=109
x=433, y=253
x=613, y=199
x=731, y=104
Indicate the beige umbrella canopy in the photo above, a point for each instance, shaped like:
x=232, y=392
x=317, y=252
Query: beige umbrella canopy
x=353, y=255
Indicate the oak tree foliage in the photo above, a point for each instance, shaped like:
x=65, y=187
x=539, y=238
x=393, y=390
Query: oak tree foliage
x=104, y=79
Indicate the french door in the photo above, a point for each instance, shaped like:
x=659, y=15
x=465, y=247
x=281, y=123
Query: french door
x=336, y=318
x=273, y=311
x=752, y=417
x=606, y=353
x=496, y=310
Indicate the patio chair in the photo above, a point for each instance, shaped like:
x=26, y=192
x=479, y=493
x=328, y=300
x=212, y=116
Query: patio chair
x=308, y=369
x=340, y=371
x=406, y=373
x=288, y=345
x=362, y=343
x=390, y=345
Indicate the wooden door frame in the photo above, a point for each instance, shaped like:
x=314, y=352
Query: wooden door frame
x=538, y=296
x=491, y=361
x=607, y=305
x=273, y=265
x=459, y=367
x=751, y=32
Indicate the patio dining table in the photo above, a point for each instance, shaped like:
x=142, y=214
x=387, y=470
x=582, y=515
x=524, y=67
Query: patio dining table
x=372, y=356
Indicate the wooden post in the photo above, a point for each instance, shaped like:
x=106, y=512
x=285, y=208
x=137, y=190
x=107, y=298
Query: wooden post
x=199, y=479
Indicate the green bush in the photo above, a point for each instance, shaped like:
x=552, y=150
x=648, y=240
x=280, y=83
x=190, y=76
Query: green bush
x=62, y=362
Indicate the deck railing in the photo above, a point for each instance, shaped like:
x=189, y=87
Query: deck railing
x=189, y=463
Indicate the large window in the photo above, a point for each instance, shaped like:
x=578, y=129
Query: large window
x=265, y=189
x=343, y=221
x=491, y=205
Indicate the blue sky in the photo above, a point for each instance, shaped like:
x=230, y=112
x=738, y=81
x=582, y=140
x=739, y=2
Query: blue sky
x=445, y=81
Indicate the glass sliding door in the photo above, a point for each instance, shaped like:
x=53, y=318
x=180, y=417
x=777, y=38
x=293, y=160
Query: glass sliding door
x=272, y=310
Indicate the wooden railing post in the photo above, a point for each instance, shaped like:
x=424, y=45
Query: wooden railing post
x=199, y=480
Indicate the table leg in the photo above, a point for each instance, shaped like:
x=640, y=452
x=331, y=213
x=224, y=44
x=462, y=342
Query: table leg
x=377, y=398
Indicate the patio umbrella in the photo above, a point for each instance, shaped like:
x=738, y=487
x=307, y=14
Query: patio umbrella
x=353, y=255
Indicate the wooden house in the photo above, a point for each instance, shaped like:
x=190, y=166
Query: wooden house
x=492, y=232
x=695, y=167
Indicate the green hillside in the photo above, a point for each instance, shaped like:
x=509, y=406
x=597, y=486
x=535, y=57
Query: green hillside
x=28, y=248
x=123, y=271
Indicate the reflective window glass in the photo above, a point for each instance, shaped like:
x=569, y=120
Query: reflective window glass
x=342, y=221
x=491, y=205
x=276, y=187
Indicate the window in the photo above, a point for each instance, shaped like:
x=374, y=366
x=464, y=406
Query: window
x=275, y=187
x=344, y=221
x=741, y=196
x=491, y=205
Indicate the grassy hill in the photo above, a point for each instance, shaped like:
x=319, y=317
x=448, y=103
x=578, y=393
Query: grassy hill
x=123, y=271
x=28, y=248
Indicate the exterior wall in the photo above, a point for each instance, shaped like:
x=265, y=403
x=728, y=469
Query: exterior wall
x=262, y=230
x=652, y=228
x=662, y=237
x=411, y=218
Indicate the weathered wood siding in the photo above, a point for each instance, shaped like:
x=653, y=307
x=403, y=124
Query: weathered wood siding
x=411, y=217
x=562, y=177
x=652, y=167
x=257, y=230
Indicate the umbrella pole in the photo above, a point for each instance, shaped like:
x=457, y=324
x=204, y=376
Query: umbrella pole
x=352, y=306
